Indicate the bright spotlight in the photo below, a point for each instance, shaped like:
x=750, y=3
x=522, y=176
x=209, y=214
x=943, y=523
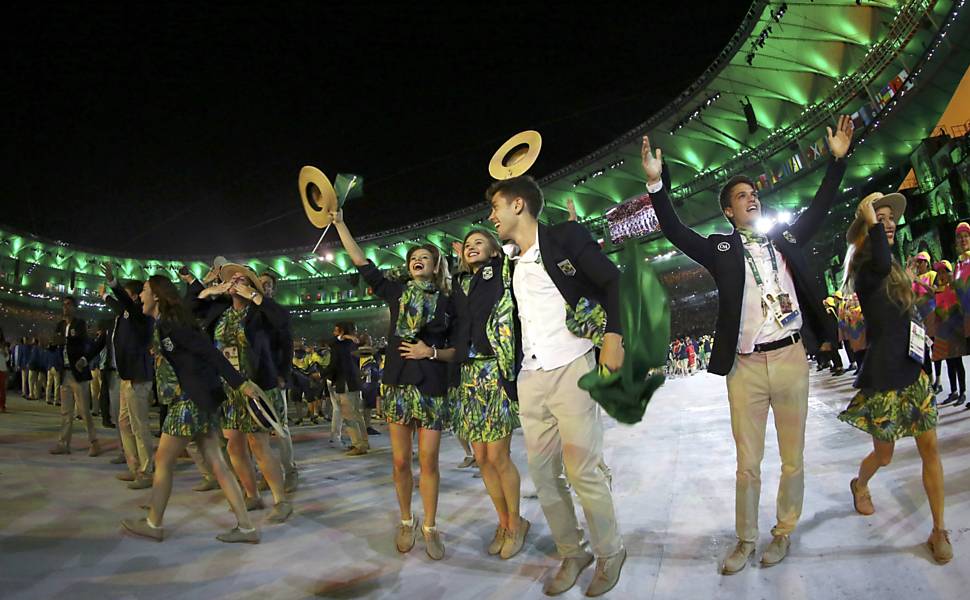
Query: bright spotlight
x=764, y=224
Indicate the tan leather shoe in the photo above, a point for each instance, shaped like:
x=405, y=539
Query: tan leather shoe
x=281, y=512
x=939, y=543
x=861, y=499
x=140, y=483
x=356, y=451
x=607, y=574
x=497, y=542
x=404, y=540
x=142, y=528
x=95, y=449
x=60, y=449
x=776, y=551
x=566, y=575
x=432, y=543
x=514, y=540
x=738, y=558
x=125, y=476
x=238, y=536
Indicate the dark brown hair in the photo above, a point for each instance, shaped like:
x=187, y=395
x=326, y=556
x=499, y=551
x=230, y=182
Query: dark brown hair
x=524, y=187
x=170, y=307
x=725, y=195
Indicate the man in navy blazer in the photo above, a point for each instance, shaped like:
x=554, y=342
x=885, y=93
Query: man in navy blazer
x=74, y=352
x=766, y=294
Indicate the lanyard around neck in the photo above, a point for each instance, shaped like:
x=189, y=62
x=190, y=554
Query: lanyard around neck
x=754, y=266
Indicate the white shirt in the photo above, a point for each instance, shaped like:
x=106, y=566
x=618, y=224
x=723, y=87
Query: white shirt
x=756, y=327
x=546, y=343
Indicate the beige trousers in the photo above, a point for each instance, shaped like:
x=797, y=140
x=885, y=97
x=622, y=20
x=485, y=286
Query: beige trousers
x=53, y=391
x=563, y=430
x=36, y=385
x=79, y=392
x=136, y=438
x=778, y=380
x=350, y=409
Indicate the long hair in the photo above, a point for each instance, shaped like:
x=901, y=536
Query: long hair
x=492, y=242
x=898, y=285
x=170, y=307
x=442, y=279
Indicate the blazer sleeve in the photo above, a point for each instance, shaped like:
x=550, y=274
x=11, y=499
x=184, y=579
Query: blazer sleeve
x=383, y=287
x=600, y=270
x=201, y=347
x=807, y=225
x=277, y=316
x=691, y=243
x=881, y=263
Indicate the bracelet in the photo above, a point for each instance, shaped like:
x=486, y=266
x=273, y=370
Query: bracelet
x=434, y=353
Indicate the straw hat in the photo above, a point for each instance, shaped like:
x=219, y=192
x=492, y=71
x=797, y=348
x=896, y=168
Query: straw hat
x=896, y=201
x=230, y=270
x=213, y=273
x=317, y=206
x=516, y=156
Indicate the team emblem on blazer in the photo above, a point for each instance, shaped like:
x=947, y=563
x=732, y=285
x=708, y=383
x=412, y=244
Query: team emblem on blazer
x=788, y=236
x=126, y=314
x=168, y=345
x=487, y=273
x=724, y=246
x=567, y=268
x=72, y=332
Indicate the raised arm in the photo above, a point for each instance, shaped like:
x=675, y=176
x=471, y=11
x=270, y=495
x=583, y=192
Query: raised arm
x=350, y=245
x=808, y=224
x=684, y=238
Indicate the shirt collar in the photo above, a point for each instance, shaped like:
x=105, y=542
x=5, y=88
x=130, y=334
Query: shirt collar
x=530, y=255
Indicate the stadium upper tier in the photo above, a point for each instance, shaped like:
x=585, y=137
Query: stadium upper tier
x=760, y=108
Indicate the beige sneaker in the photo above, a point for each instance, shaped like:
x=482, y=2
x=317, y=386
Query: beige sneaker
x=356, y=451
x=206, y=485
x=496, y=546
x=238, y=536
x=125, y=476
x=60, y=449
x=95, y=449
x=939, y=543
x=514, y=540
x=607, y=574
x=142, y=528
x=738, y=559
x=281, y=512
x=776, y=551
x=432, y=543
x=861, y=499
x=406, y=536
x=566, y=575
x=254, y=503
x=140, y=483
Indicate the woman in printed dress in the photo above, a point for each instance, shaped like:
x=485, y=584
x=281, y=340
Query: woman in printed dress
x=187, y=375
x=894, y=398
x=415, y=390
x=482, y=343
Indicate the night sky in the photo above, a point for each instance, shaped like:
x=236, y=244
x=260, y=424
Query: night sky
x=182, y=130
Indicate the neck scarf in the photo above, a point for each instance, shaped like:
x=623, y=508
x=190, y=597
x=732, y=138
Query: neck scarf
x=418, y=303
x=750, y=237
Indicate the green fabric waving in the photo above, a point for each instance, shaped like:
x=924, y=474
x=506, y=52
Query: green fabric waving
x=418, y=303
x=645, y=316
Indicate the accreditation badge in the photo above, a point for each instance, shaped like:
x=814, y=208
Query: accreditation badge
x=232, y=355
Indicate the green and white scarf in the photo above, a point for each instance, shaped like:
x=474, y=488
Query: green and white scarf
x=418, y=303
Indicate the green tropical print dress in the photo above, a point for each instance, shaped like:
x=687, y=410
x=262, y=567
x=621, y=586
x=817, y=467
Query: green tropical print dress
x=483, y=411
x=184, y=417
x=230, y=338
x=405, y=404
x=893, y=414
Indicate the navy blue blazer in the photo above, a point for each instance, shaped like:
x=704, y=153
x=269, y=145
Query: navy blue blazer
x=198, y=364
x=78, y=346
x=723, y=257
x=130, y=337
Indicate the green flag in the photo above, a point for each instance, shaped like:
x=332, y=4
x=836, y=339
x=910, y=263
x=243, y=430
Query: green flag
x=645, y=316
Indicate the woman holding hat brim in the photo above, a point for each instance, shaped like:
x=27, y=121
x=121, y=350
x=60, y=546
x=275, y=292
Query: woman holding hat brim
x=950, y=344
x=895, y=399
x=243, y=322
x=485, y=404
x=188, y=373
x=415, y=391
